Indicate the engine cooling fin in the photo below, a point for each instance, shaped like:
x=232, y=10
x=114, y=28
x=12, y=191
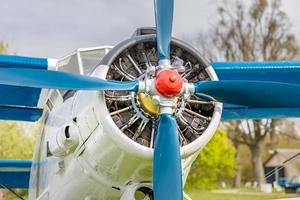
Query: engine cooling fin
x=136, y=114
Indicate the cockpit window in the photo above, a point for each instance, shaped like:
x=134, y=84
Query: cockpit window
x=90, y=59
x=69, y=64
x=83, y=61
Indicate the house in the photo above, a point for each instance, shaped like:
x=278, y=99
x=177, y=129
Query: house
x=280, y=168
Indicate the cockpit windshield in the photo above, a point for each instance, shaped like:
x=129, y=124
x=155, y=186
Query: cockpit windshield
x=83, y=61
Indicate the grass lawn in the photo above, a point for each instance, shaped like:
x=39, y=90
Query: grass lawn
x=211, y=195
x=12, y=197
x=23, y=193
x=207, y=195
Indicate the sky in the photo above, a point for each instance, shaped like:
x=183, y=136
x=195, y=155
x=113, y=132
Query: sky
x=54, y=28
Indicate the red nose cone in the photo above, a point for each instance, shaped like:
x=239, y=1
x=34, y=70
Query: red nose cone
x=168, y=83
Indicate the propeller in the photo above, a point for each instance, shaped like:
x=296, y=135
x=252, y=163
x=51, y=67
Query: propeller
x=251, y=93
x=167, y=170
x=167, y=162
x=60, y=80
x=167, y=176
x=164, y=20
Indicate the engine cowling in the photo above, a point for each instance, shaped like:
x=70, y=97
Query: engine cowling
x=135, y=114
x=117, y=129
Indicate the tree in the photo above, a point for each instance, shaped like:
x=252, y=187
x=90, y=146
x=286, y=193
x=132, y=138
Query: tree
x=252, y=133
x=259, y=32
x=215, y=163
x=14, y=144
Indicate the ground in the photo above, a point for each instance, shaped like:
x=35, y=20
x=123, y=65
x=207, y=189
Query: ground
x=217, y=195
x=223, y=195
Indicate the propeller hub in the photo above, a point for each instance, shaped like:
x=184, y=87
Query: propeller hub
x=168, y=83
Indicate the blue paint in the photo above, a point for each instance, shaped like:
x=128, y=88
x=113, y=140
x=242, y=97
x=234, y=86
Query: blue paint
x=15, y=173
x=22, y=78
x=235, y=112
x=164, y=21
x=280, y=71
x=252, y=93
x=15, y=179
x=20, y=96
x=167, y=175
x=20, y=113
x=16, y=163
x=256, y=65
x=8, y=61
x=60, y=80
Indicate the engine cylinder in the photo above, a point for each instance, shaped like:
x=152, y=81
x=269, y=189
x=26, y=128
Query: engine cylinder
x=136, y=114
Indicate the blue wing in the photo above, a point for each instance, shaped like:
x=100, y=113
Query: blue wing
x=20, y=103
x=281, y=71
x=15, y=173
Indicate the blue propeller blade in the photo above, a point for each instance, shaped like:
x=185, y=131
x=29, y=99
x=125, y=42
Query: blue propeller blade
x=164, y=20
x=252, y=93
x=60, y=80
x=167, y=176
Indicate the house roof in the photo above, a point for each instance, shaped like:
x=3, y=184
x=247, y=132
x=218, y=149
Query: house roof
x=279, y=156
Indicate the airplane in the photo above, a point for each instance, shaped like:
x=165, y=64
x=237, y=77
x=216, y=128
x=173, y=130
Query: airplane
x=127, y=122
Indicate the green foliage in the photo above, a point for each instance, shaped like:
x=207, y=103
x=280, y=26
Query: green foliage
x=15, y=144
x=215, y=163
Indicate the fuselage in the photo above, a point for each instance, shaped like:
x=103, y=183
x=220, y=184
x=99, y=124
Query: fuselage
x=83, y=154
x=101, y=167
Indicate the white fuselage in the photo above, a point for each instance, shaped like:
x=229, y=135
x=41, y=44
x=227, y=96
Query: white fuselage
x=105, y=162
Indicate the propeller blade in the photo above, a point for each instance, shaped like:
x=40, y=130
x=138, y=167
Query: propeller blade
x=167, y=176
x=60, y=80
x=251, y=93
x=164, y=19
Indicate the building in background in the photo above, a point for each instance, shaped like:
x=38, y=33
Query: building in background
x=286, y=174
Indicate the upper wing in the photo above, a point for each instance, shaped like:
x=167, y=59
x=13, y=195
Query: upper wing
x=281, y=71
x=14, y=173
x=21, y=103
x=27, y=104
x=236, y=112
